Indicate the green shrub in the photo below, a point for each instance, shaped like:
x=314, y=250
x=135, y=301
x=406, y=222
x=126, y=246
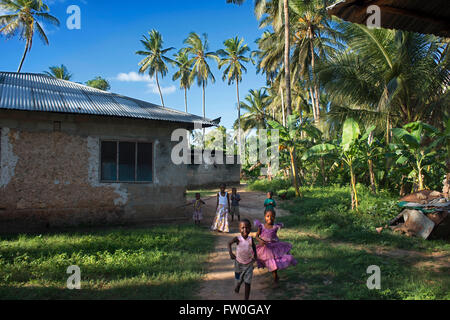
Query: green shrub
x=265, y=185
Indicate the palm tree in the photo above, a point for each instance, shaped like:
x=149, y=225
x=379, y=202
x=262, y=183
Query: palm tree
x=256, y=104
x=23, y=18
x=184, y=70
x=388, y=78
x=260, y=5
x=201, y=71
x=155, y=59
x=233, y=56
x=314, y=39
x=59, y=72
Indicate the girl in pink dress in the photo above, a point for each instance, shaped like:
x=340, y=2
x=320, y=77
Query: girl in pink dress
x=272, y=253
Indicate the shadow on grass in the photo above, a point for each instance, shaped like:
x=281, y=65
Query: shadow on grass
x=178, y=290
x=340, y=272
x=171, y=258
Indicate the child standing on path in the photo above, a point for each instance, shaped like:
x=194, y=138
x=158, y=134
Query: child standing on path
x=222, y=207
x=272, y=253
x=235, y=198
x=245, y=257
x=269, y=203
x=197, y=216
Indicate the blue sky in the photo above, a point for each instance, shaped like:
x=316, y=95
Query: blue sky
x=109, y=37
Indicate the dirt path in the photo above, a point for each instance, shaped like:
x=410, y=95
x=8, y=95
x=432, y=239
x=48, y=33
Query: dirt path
x=218, y=283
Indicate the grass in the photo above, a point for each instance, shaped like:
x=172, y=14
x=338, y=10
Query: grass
x=190, y=194
x=334, y=246
x=165, y=262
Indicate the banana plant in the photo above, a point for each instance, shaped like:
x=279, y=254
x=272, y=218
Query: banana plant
x=347, y=151
x=416, y=145
x=371, y=148
x=290, y=139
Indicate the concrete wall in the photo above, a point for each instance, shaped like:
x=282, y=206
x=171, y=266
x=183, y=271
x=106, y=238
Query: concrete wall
x=50, y=178
x=212, y=175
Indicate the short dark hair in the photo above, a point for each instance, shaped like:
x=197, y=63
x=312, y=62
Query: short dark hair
x=246, y=221
x=270, y=192
x=270, y=210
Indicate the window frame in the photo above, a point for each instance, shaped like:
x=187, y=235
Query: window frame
x=136, y=142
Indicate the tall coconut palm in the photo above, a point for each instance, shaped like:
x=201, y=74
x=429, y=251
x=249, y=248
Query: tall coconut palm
x=155, y=59
x=233, y=57
x=201, y=71
x=260, y=5
x=184, y=70
x=24, y=17
x=60, y=72
x=314, y=39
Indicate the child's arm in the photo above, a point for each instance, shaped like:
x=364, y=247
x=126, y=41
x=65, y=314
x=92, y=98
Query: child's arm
x=261, y=241
x=228, y=199
x=217, y=204
x=234, y=240
x=203, y=201
x=255, y=256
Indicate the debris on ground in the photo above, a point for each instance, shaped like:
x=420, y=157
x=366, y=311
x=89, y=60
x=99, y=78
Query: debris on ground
x=425, y=214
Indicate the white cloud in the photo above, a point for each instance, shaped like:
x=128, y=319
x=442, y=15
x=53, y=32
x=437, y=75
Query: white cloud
x=150, y=81
x=164, y=90
x=133, y=77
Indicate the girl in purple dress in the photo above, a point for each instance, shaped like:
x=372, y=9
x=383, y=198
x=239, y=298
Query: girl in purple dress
x=272, y=253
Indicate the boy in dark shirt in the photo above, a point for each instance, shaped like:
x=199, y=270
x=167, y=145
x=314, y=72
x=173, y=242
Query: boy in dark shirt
x=235, y=198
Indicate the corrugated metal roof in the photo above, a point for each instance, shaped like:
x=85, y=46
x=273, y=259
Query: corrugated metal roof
x=429, y=17
x=39, y=92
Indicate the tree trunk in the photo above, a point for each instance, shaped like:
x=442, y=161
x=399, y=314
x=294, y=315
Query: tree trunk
x=372, y=176
x=283, y=116
x=269, y=172
x=322, y=168
x=159, y=89
x=316, y=90
x=353, y=186
x=239, y=118
x=313, y=101
x=24, y=55
x=286, y=58
x=185, y=99
x=420, y=178
x=294, y=171
x=402, y=186
x=204, y=114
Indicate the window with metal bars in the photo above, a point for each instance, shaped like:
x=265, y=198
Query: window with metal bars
x=123, y=161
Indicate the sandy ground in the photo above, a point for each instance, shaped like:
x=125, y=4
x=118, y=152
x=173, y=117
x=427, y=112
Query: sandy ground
x=218, y=282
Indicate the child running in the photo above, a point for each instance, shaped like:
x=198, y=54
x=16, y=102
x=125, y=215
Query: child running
x=272, y=253
x=197, y=216
x=269, y=203
x=235, y=198
x=244, y=258
x=222, y=207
